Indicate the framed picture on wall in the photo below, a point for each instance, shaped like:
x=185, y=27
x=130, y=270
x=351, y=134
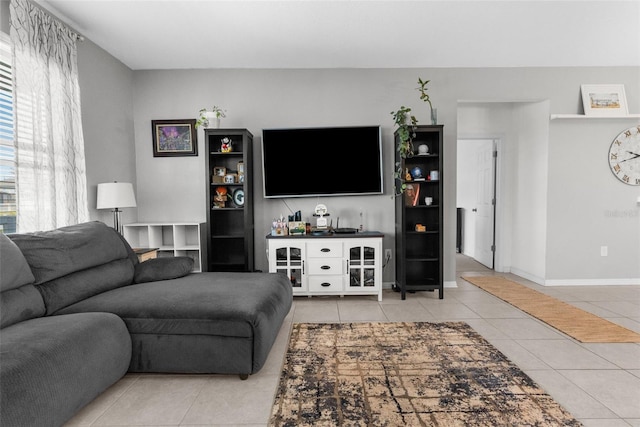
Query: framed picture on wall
x=172, y=138
x=604, y=100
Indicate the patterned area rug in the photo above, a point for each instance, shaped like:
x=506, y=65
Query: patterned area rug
x=573, y=321
x=405, y=374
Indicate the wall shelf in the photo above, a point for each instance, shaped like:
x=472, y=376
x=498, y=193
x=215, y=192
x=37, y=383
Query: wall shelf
x=582, y=116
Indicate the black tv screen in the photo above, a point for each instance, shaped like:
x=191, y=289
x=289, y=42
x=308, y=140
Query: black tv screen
x=329, y=161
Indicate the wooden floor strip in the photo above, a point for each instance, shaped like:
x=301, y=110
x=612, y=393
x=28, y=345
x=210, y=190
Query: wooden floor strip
x=575, y=322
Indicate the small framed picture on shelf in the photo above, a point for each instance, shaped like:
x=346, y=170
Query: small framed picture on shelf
x=219, y=173
x=411, y=194
x=604, y=100
x=240, y=167
x=173, y=138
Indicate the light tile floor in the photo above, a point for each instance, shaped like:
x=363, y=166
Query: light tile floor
x=598, y=383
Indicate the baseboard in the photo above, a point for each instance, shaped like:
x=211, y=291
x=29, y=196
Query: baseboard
x=525, y=275
x=593, y=282
x=575, y=282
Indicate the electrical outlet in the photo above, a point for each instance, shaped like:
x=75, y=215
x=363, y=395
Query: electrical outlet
x=387, y=254
x=604, y=250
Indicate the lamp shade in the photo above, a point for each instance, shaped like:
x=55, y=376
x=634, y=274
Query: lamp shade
x=113, y=195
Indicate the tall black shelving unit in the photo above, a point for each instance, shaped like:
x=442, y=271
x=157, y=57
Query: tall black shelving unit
x=230, y=245
x=419, y=227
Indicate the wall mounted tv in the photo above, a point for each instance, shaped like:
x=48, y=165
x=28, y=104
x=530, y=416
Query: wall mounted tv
x=327, y=161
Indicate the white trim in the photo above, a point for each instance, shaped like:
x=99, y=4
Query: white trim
x=583, y=116
x=450, y=284
x=592, y=282
x=528, y=276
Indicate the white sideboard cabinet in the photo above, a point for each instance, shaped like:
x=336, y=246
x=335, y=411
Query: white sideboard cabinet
x=332, y=264
x=171, y=239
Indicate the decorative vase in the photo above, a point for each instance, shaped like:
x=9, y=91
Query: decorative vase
x=214, y=121
x=434, y=116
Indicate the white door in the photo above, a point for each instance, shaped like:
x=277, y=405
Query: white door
x=485, y=203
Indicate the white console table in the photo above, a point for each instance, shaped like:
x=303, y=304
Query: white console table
x=329, y=264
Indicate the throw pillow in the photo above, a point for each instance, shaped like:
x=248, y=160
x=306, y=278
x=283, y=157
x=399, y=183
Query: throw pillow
x=162, y=269
x=14, y=269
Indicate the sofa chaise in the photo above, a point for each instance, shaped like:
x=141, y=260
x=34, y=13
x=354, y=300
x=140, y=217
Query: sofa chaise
x=77, y=311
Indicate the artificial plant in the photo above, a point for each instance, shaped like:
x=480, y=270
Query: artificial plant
x=203, y=119
x=422, y=88
x=406, y=124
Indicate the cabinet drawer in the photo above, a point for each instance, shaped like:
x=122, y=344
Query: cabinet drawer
x=324, y=249
x=325, y=266
x=330, y=283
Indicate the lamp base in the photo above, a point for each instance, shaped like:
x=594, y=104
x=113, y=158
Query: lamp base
x=117, y=221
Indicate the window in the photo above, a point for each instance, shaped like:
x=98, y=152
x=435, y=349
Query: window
x=7, y=150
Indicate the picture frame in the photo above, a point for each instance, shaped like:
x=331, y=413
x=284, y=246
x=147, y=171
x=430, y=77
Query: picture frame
x=411, y=195
x=217, y=177
x=174, y=138
x=604, y=100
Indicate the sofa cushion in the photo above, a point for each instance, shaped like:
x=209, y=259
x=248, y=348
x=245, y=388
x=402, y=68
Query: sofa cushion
x=57, y=253
x=246, y=309
x=20, y=304
x=19, y=299
x=162, y=269
x=83, y=284
x=226, y=304
x=76, y=262
x=53, y=366
x=15, y=271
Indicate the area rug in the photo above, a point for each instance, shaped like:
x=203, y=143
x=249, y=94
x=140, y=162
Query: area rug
x=573, y=321
x=405, y=374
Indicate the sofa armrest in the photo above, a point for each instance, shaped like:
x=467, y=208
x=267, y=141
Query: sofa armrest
x=162, y=269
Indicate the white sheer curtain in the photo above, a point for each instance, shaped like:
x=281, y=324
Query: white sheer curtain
x=50, y=175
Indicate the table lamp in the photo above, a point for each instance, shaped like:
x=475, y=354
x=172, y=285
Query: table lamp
x=116, y=195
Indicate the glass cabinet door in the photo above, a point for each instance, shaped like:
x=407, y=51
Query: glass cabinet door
x=288, y=260
x=362, y=266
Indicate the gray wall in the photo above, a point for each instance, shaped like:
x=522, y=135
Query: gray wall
x=586, y=207
x=173, y=189
x=106, y=90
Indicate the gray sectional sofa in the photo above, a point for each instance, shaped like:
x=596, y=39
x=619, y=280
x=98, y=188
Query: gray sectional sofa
x=78, y=311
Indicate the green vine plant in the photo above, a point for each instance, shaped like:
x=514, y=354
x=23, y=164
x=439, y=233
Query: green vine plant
x=203, y=120
x=406, y=125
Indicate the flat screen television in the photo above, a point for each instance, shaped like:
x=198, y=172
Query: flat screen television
x=327, y=161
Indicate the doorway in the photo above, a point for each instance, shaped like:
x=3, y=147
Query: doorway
x=476, y=199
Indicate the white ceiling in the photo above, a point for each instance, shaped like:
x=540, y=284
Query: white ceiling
x=173, y=34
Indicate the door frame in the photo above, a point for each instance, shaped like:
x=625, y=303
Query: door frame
x=499, y=228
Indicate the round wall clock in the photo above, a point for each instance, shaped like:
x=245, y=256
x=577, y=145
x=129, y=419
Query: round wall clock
x=624, y=156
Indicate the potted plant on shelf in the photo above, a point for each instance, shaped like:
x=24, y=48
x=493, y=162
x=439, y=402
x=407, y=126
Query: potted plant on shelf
x=422, y=88
x=406, y=124
x=212, y=117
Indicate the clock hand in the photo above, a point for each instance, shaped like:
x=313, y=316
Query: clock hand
x=635, y=155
